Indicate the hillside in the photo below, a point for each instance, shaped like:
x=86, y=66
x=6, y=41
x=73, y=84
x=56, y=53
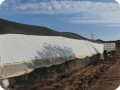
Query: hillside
x=9, y=27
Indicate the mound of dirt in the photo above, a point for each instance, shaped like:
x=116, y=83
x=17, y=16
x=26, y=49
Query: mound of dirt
x=78, y=78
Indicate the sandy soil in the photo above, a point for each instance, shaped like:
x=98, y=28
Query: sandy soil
x=103, y=75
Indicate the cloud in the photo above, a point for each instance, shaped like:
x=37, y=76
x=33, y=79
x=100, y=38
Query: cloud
x=97, y=17
x=56, y=7
x=113, y=25
x=83, y=11
x=1, y=1
x=118, y=1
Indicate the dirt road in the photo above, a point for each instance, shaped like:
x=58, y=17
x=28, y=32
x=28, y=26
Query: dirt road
x=109, y=81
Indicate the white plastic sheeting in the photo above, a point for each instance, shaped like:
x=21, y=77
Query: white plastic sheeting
x=1, y=88
x=21, y=54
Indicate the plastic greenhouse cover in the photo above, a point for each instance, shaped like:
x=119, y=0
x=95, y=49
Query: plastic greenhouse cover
x=21, y=54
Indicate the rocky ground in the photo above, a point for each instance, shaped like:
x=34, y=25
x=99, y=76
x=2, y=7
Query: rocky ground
x=103, y=75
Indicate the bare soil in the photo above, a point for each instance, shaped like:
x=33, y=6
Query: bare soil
x=110, y=80
x=103, y=75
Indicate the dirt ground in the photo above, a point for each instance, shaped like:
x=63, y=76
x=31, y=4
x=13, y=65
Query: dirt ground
x=109, y=81
x=103, y=75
